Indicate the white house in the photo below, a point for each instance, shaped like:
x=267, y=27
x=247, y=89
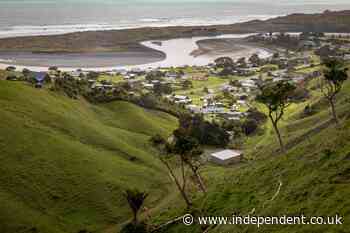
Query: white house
x=148, y=86
x=182, y=99
x=213, y=108
x=226, y=157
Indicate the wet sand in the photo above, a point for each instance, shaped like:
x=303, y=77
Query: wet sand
x=232, y=47
x=198, y=51
x=83, y=60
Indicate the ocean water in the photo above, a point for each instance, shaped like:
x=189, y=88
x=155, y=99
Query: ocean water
x=41, y=17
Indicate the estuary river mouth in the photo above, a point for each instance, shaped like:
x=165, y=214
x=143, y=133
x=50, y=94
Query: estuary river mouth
x=195, y=51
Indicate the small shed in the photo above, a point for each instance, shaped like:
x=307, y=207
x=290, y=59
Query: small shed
x=226, y=157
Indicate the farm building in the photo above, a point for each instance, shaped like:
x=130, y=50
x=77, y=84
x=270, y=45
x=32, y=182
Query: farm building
x=226, y=157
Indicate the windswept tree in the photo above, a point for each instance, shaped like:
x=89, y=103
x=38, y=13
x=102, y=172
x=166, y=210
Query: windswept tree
x=224, y=62
x=335, y=74
x=242, y=63
x=190, y=152
x=135, y=199
x=276, y=97
x=255, y=59
x=187, y=84
x=165, y=149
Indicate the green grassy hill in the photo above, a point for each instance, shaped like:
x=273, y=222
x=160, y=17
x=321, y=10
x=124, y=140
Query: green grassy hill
x=65, y=163
x=313, y=178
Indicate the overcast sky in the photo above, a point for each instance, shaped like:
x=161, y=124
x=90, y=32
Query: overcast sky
x=189, y=1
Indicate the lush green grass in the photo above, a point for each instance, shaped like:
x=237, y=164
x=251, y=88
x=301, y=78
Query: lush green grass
x=314, y=174
x=196, y=92
x=65, y=163
x=114, y=79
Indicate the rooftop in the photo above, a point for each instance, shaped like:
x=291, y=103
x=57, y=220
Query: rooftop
x=227, y=154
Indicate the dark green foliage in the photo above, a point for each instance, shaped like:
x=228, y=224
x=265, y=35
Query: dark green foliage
x=249, y=126
x=229, y=70
x=162, y=88
x=276, y=97
x=12, y=78
x=92, y=75
x=53, y=68
x=255, y=60
x=157, y=140
x=256, y=115
x=154, y=75
x=26, y=72
x=70, y=86
x=241, y=62
x=135, y=200
x=185, y=144
x=134, y=228
x=148, y=101
x=224, y=62
x=187, y=84
x=10, y=68
x=335, y=75
x=205, y=132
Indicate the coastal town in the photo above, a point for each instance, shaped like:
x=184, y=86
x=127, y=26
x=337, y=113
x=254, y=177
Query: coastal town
x=224, y=89
x=166, y=114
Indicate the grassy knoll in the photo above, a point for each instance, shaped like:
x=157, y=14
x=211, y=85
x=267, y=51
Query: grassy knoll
x=313, y=176
x=65, y=163
x=196, y=92
x=113, y=79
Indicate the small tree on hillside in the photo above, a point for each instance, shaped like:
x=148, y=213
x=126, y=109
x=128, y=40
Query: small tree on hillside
x=224, y=62
x=242, y=62
x=187, y=84
x=165, y=157
x=276, y=98
x=135, y=199
x=335, y=74
x=189, y=151
x=255, y=59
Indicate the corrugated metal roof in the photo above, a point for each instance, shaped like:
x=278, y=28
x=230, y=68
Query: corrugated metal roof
x=227, y=154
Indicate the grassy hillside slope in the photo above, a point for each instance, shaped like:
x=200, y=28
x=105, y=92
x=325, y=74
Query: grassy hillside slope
x=313, y=178
x=64, y=163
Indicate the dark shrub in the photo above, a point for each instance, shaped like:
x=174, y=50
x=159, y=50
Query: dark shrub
x=249, y=126
x=205, y=132
x=157, y=140
x=256, y=115
x=134, y=228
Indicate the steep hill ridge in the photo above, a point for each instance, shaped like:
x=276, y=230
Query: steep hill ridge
x=65, y=163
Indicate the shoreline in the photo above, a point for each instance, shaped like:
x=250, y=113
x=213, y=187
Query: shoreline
x=229, y=46
x=127, y=47
x=165, y=53
x=129, y=39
